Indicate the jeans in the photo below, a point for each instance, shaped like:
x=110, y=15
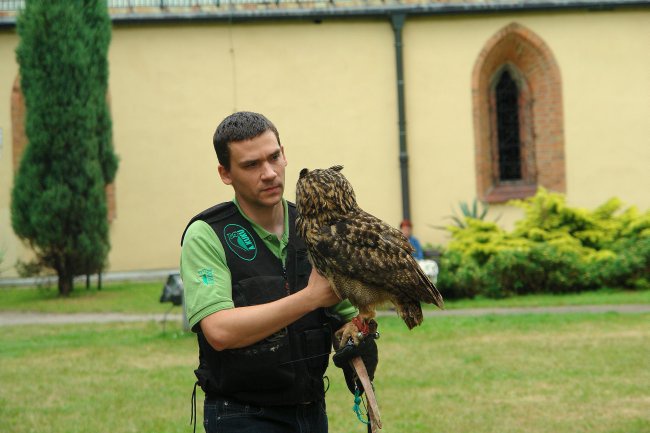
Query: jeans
x=227, y=416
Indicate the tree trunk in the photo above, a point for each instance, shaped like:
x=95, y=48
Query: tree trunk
x=66, y=284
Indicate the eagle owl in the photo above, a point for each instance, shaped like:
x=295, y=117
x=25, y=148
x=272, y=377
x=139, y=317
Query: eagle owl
x=365, y=260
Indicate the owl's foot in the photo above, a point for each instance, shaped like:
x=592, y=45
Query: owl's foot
x=356, y=330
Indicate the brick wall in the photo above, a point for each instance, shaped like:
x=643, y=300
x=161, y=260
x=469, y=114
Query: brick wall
x=532, y=64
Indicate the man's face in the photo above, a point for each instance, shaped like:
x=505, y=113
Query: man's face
x=406, y=230
x=256, y=170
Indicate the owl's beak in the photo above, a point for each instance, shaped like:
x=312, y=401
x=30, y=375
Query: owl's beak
x=303, y=173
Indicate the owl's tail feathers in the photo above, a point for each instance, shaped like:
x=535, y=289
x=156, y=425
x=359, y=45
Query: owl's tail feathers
x=411, y=314
x=430, y=293
x=437, y=297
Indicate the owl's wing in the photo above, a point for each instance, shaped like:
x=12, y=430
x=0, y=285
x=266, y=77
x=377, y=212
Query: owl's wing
x=365, y=248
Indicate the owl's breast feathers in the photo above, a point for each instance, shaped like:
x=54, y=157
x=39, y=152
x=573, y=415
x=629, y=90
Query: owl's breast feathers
x=361, y=247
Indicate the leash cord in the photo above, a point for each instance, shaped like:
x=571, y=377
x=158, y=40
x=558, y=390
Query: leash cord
x=308, y=357
x=193, y=409
x=357, y=408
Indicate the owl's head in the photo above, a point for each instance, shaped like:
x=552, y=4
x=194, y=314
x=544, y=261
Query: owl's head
x=323, y=191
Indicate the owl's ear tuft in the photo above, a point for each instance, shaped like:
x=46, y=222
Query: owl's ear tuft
x=336, y=168
x=303, y=173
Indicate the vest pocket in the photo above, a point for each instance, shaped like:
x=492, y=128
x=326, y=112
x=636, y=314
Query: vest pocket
x=264, y=365
x=316, y=345
x=303, y=267
x=258, y=290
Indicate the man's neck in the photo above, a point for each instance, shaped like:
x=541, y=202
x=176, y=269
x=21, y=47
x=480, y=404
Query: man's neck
x=270, y=219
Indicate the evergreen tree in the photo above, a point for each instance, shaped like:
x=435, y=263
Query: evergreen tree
x=97, y=19
x=58, y=200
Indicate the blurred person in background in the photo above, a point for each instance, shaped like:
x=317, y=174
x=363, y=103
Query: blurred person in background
x=407, y=230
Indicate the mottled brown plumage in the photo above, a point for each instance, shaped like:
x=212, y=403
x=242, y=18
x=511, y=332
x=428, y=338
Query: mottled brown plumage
x=365, y=260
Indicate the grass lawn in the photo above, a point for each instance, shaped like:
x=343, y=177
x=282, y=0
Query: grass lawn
x=598, y=297
x=114, y=297
x=143, y=298
x=567, y=373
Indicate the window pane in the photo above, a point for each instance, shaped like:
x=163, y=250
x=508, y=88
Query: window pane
x=507, y=96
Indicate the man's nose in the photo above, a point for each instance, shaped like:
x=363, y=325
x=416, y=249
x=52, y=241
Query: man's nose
x=268, y=172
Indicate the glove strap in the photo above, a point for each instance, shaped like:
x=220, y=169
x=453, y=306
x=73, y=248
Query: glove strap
x=361, y=325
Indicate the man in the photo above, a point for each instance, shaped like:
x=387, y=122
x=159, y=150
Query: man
x=261, y=314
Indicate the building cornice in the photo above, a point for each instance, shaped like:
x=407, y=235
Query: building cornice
x=321, y=9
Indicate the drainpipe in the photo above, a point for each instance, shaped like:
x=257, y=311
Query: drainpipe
x=397, y=21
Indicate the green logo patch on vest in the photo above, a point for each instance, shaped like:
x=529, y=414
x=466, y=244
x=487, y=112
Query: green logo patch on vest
x=207, y=276
x=240, y=241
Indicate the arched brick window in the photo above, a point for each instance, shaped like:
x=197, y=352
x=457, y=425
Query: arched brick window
x=20, y=141
x=517, y=98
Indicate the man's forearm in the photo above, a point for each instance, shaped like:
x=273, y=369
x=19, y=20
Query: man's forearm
x=243, y=326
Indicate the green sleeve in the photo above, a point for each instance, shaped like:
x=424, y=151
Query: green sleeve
x=206, y=277
x=344, y=310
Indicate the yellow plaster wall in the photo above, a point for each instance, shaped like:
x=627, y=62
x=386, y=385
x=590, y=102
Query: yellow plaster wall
x=9, y=246
x=330, y=88
x=605, y=69
x=171, y=85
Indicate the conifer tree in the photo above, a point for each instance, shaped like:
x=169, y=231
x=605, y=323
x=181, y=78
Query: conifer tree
x=58, y=199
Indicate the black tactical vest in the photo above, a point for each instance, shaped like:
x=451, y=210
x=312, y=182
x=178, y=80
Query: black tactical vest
x=284, y=368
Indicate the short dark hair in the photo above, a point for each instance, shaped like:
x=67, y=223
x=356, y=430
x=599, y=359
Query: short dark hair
x=239, y=126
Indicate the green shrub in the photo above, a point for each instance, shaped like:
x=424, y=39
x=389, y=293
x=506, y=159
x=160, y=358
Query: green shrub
x=627, y=266
x=478, y=211
x=554, y=248
x=460, y=278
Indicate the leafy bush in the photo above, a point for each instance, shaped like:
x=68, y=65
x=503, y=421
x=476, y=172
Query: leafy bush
x=554, y=248
x=461, y=278
x=477, y=211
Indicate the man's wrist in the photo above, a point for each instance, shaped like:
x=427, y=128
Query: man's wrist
x=308, y=299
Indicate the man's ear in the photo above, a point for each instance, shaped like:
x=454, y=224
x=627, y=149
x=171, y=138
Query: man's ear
x=224, y=173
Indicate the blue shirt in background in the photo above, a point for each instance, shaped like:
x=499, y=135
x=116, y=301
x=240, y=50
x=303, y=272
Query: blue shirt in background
x=418, y=254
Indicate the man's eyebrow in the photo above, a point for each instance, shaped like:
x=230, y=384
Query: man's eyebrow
x=254, y=160
x=248, y=161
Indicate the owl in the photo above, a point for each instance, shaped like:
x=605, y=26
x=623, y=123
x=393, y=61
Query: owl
x=364, y=259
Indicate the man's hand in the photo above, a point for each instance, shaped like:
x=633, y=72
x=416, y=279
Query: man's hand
x=320, y=292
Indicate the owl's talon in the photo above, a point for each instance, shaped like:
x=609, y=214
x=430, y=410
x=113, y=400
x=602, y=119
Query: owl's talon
x=349, y=332
x=356, y=330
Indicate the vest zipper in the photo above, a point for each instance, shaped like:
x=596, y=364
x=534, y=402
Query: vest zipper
x=286, y=280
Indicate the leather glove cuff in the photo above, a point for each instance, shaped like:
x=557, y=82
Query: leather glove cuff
x=367, y=350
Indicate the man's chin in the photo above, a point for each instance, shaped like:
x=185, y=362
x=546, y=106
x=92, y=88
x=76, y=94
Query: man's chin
x=271, y=199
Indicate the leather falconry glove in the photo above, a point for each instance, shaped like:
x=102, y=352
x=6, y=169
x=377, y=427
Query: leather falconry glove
x=366, y=349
